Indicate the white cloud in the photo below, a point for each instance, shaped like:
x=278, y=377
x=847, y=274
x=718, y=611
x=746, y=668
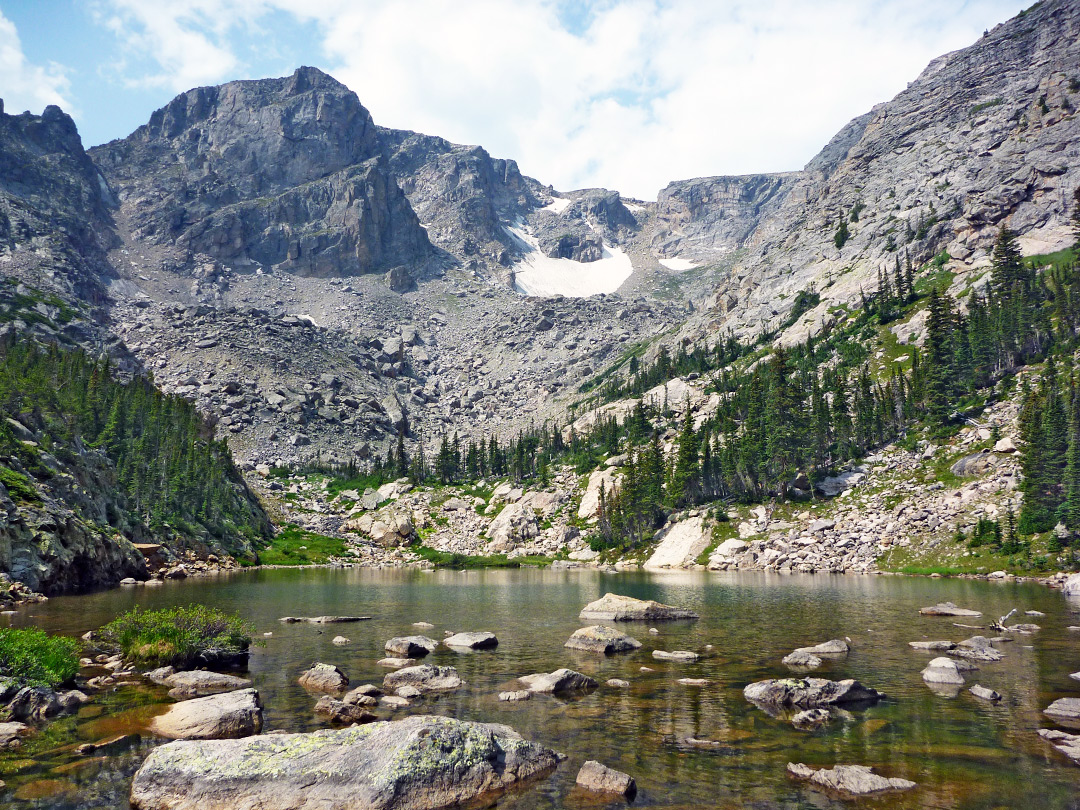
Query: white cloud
x=649, y=91
x=24, y=86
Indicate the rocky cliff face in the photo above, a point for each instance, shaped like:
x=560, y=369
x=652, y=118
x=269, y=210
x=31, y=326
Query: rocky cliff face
x=276, y=173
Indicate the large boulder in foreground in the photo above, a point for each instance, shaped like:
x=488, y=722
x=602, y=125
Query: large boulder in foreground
x=809, y=693
x=602, y=640
x=217, y=717
x=849, y=780
x=419, y=763
x=612, y=607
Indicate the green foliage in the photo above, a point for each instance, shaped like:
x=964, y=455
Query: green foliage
x=33, y=658
x=295, y=546
x=168, y=466
x=842, y=234
x=19, y=487
x=446, y=559
x=178, y=636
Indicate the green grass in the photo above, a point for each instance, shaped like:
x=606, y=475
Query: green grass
x=18, y=486
x=1058, y=259
x=176, y=636
x=295, y=546
x=446, y=559
x=33, y=658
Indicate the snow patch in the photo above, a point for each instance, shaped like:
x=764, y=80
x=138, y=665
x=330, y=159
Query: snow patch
x=678, y=264
x=540, y=275
x=632, y=207
x=557, y=205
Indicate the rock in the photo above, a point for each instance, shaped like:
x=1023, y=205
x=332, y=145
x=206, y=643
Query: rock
x=616, y=608
x=809, y=693
x=693, y=681
x=559, y=681
x=974, y=465
x=521, y=694
x=515, y=524
x=800, y=659
x=682, y=656
x=35, y=704
x=976, y=648
x=393, y=702
x=472, y=641
x=324, y=678
x=216, y=717
x=811, y=719
x=679, y=544
x=363, y=690
x=11, y=733
x=418, y=763
x=396, y=663
x=1064, y=709
x=932, y=646
x=408, y=692
x=1071, y=588
x=411, y=646
x=1005, y=445
x=198, y=683
x=850, y=780
x=601, y=639
x=730, y=548
x=942, y=670
x=1068, y=744
x=602, y=779
x=949, y=609
x=338, y=711
x=617, y=683
x=424, y=677
x=341, y=641
x=984, y=693
x=607, y=479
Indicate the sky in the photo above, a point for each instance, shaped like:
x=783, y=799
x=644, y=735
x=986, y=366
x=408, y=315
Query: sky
x=620, y=94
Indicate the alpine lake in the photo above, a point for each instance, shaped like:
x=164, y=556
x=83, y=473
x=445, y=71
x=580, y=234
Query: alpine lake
x=964, y=753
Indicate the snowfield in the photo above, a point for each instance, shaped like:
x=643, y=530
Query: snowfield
x=678, y=264
x=558, y=205
x=539, y=275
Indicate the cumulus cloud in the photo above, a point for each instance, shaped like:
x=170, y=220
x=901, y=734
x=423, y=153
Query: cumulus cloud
x=25, y=86
x=631, y=95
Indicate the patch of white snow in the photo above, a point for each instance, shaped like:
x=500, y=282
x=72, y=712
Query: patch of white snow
x=540, y=275
x=678, y=264
x=557, y=205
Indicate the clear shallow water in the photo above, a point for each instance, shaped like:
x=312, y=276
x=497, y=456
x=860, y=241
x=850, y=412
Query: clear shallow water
x=963, y=752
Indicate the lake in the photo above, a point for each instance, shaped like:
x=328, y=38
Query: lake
x=963, y=752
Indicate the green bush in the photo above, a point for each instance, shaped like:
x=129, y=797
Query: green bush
x=178, y=636
x=18, y=486
x=34, y=658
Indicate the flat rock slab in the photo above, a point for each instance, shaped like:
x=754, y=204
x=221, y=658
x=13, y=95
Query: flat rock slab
x=612, y=607
x=472, y=641
x=424, y=677
x=1068, y=744
x=602, y=640
x=198, y=683
x=849, y=780
x=1064, y=709
x=324, y=678
x=602, y=779
x=323, y=619
x=681, y=656
x=932, y=646
x=984, y=693
x=809, y=693
x=559, y=681
x=396, y=663
x=516, y=695
x=410, y=646
x=418, y=763
x=218, y=717
x=832, y=647
x=949, y=609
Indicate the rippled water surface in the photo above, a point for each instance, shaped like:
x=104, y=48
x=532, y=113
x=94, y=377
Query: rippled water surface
x=963, y=752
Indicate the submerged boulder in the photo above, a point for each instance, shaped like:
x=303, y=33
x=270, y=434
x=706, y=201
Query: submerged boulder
x=472, y=641
x=419, y=763
x=601, y=779
x=216, y=717
x=602, y=640
x=613, y=607
x=850, y=780
x=410, y=646
x=809, y=693
x=949, y=609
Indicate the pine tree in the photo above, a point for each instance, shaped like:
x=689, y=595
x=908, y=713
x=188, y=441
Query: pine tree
x=1006, y=264
x=686, y=476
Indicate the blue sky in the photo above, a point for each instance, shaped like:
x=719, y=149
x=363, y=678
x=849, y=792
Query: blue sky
x=626, y=94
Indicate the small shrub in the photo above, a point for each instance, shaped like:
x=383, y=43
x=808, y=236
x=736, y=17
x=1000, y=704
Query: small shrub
x=177, y=636
x=34, y=658
x=18, y=486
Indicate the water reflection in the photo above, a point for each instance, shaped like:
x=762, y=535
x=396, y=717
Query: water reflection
x=688, y=746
